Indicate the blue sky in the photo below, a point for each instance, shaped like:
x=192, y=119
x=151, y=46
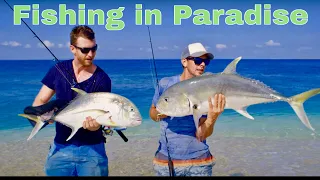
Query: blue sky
x=251, y=42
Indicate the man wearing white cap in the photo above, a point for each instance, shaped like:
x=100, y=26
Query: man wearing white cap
x=179, y=140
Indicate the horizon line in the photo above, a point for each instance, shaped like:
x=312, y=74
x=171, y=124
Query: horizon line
x=158, y=59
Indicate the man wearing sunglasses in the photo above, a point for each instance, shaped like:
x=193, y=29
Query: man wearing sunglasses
x=187, y=148
x=84, y=154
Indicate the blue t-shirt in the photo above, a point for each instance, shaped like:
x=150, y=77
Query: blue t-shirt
x=98, y=82
x=180, y=131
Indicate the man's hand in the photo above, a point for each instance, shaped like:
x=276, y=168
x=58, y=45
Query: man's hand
x=161, y=116
x=215, y=109
x=90, y=124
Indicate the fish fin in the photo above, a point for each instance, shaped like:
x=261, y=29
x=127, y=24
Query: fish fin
x=196, y=116
x=79, y=91
x=101, y=111
x=74, y=131
x=297, y=105
x=232, y=67
x=195, y=105
x=171, y=118
x=245, y=113
x=39, y=124
x=106, y=120
x=195, y=111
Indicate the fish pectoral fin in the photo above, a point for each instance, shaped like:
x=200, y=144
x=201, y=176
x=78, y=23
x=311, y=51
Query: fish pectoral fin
x=106, y=120
x=194, y=105
x=196, y=116
x=232, y=67
x=244, y=112
x=79, y=91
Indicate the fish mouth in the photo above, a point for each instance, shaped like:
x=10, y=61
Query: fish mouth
x=138, y=119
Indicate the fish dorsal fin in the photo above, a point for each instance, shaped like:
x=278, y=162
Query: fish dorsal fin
x=232, y=67
x=79, y=91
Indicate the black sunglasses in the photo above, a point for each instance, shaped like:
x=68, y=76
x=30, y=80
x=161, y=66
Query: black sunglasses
x=198, y=60
x=87, y=50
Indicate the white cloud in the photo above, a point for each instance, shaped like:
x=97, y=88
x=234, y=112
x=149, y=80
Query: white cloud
x=207, y=47
x=60, y=46
x=141, y=49
x=272, y=43
x=11, y=43
x=234, y=46
x=120, y=49
x=259, y=46
x=27, y=46
x=221, y=46
x=176, y=47
x=47, y=43
x=163, y=47
x=304, y=48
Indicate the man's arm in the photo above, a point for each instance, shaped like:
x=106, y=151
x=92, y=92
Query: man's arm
x=206, y=125
x=44, y=95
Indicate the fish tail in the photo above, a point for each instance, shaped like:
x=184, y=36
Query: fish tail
x=296, y=102
x=39, y=124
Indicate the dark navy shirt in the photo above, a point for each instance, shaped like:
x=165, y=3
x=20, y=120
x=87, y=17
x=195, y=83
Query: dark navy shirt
x=98, y=82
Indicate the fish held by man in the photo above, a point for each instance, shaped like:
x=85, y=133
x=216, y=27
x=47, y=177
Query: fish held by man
x=108, y=109
x=190, y=97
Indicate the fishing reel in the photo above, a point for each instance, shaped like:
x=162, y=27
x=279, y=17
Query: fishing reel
x=107, y=131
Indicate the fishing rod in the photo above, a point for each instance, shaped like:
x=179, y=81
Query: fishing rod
x=55, y=58
x=170, y=163
x=73, y=84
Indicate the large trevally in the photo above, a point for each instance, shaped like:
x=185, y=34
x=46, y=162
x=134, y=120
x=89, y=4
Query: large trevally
x=109, y=109
x=190, y=97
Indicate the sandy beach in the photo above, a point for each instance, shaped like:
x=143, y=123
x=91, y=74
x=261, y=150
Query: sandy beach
x=236, y=156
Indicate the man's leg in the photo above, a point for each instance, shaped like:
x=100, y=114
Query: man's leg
x=59, y=162
x=203, y=170
x=163, y=170
x=92, y=161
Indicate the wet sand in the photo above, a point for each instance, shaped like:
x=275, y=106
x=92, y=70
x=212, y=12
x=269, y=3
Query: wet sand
x=236, y=156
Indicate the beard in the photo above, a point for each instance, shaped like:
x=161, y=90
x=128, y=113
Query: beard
x=84, y=61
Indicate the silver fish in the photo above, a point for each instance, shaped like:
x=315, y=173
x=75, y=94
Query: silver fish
x=108, y=109
x=190, y=97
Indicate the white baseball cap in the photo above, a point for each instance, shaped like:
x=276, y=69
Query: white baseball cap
x=196, y=50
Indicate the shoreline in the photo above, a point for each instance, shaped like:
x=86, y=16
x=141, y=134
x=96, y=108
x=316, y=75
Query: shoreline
x=235, y=156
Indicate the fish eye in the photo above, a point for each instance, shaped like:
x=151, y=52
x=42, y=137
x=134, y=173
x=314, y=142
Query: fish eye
x=131, y=109
x=166, y=99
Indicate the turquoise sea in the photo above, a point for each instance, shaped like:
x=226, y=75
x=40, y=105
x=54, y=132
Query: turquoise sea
x=20, y=82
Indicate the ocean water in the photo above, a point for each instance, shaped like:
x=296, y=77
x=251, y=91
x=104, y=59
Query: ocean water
x=20, y=83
